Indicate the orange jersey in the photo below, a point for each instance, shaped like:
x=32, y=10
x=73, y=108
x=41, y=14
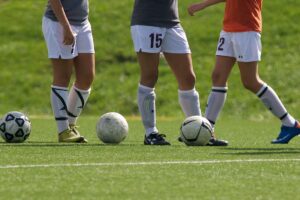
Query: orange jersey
x=243, y=15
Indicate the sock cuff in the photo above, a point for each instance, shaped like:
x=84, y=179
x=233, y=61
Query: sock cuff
x=59, y=87
x=262, y=90
x=219, y=89
x=188, y=92
x=81, y=90
x=145, y=88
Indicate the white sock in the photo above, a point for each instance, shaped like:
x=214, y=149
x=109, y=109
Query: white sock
x=59, y=97
x=215, y=103
x=76, y=102
x=270, y=99
x=146, y=103
x=189, y=102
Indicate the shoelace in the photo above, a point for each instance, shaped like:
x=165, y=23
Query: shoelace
x=74, y=128
x=159, y=136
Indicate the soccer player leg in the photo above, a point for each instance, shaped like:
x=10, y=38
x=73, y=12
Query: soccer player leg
x=178, y=55
x=218, y=94
x=290, y=127
x=147, y=44
x=85, y=72
x=248, y=55
x=181, y=65
x=146, y=98
x=62, y=70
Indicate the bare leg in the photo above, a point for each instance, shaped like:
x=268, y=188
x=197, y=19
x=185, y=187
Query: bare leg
x=252, y=82
x=85, y=71
x=182, y=67
x=62, y=70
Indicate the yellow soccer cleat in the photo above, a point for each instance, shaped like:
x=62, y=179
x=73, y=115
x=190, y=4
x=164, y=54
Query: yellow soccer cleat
x=74, y=128
x=69, y=136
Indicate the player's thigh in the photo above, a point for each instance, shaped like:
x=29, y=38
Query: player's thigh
x=222, y=69
x=147, y=39
x=250, y=76
x=148, y=64
x=182, y=67
x=62, y=71
x=84, y=70
x=175, y=41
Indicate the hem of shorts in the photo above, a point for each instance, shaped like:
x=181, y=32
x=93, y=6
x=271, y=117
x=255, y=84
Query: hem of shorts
x=238, y=60
x=91, y=52
x=145, y=51
x=248, y=61
x=178, y=52
x=63, y=58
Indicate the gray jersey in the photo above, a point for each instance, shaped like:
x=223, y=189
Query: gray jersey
x=161, y=13
x=76, y=11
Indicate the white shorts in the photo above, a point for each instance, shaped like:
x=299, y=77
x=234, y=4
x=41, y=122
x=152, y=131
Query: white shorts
x=152, y=39
x=53, y=34
x=244, y=46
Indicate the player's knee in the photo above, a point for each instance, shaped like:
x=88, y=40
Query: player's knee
x=190, y=80
x=149, y=79
x=85, y=81
x=217, y=78
x=249, y=86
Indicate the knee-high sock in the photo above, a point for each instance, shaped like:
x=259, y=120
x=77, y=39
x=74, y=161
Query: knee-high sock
x=189, y=102
x=270, y=99
x=59, y=97
x=215, y=103
x=76, y=102
x=146, y=103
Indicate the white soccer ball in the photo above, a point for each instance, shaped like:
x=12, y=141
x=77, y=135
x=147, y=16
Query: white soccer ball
x=112, y=128
x=15, y=127
x=195, y=131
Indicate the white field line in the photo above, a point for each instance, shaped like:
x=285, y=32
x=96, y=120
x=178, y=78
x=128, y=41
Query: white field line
x=200, y=162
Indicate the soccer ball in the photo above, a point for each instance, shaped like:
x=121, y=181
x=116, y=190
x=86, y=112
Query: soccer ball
x=195, y=131
x=112, y=128
x=15, y=127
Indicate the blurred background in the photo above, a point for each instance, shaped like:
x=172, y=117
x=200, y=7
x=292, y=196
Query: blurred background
x=25, y=71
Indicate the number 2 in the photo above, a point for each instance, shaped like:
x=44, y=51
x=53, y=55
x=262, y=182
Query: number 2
x=156, y=40
x=221, y=43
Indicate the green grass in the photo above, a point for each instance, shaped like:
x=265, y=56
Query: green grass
x=26, y=72
x=249, y=140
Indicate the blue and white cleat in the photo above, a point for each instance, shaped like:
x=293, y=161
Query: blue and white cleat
x=287, y=133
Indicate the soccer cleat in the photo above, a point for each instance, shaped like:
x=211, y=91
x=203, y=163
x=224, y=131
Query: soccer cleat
x=155, y=139
x=69, y=136
x=216, y=142
x=212, y=142
x=179, y=139
x=74, y=128
x=287, y=133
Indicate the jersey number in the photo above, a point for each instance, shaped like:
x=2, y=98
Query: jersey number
x=156, y=40
x=221, y=43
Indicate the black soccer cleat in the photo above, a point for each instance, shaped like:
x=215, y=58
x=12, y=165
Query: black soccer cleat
x=179, y=139
x=155, y=139
x=216, y=142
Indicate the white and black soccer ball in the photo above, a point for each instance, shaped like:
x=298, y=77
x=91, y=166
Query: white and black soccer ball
x=196, y=131
x=15, y=127
x=112, y=128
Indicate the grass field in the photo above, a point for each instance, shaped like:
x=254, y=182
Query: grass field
x=250, y=168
